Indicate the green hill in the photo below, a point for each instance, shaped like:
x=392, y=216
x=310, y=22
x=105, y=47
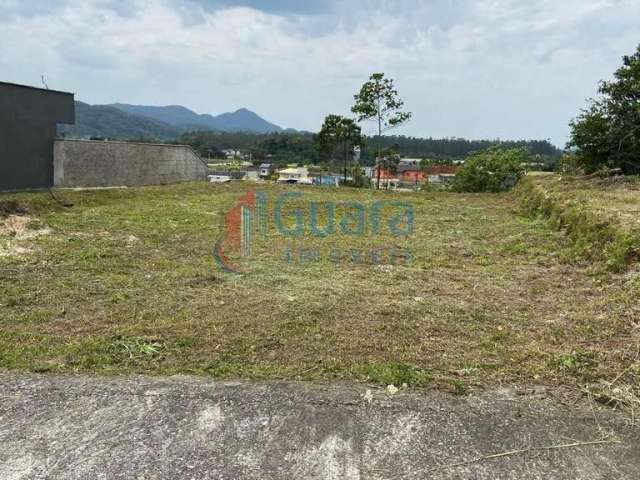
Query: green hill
x=109, y=122
x=241, y=120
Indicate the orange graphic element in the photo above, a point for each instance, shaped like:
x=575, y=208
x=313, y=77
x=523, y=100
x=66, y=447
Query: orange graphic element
x=232, y=237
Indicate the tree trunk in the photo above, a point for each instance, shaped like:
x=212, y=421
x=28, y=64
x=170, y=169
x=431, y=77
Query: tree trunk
x=344, y=156
x=378, y=159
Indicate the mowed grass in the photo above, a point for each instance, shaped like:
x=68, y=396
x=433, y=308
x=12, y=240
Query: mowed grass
x=126, y=282
x=614, y=198
x=601, y=216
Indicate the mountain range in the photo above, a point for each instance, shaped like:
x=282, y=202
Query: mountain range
x=125, y=122
x=183, y=118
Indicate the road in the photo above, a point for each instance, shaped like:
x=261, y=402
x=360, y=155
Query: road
x=77, y=427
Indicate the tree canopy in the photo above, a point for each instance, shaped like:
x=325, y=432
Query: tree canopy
x=378, y=101
x=494, y=170
x=607, y=132
x=283, y=148
x=338, y=133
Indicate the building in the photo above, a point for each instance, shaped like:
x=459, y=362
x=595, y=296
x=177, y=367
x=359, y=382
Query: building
x=327, y=180
x=265, y=170
x=443, y=178
x=230, y=153
x=441, y=174
x=299, y=175
x=252, y=175
x=409, y=162
x=409, y=171
x=28, y=122
x=369, y=172
x=385, y=174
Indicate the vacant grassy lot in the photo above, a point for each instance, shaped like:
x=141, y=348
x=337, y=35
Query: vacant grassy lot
x=125, y=281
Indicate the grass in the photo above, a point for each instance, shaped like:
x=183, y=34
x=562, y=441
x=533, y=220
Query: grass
x=125, y=282
x=600, y=215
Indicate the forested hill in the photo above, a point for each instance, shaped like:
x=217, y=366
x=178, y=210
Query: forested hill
x=455, y=147
x=108, y=122
x=298, y=147
x=241, y=120
x=129, y=122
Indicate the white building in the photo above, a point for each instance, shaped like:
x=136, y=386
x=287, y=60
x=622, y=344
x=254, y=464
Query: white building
x=265, y=170
x=299, y=175
x=231, y=153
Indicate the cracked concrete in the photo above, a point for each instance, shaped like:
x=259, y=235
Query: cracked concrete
x=76, y=427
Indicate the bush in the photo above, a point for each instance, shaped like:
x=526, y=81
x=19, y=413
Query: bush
x=359, y=178
x=569, y=164
x=493, y=170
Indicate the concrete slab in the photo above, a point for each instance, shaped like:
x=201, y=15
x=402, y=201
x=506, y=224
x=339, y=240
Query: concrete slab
x=180, y=427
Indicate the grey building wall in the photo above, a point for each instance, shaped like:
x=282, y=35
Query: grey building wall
x=28, y=119
x=86, y=163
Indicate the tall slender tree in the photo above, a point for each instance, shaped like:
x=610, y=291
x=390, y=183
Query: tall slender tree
x=341, y=133
x=378, y=101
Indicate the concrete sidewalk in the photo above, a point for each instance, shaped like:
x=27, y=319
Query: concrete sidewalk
x=168, y=428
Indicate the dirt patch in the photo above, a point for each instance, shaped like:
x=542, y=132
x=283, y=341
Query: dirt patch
x=16, y=225
x=16, y=228
x=12, y=207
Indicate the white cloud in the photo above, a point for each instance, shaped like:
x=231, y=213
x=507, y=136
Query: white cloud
x=487, y=68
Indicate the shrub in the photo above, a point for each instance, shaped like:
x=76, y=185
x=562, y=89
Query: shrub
x=492, y=170
x=569, y=164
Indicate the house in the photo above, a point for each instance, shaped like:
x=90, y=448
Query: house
x=409, y=162
x=230, y=153
x=28, y=122
x=385, y=174
x=265, y=170
x=299, y=175
x=252, y=175
x=442, y=178
x=369, y=172
x=442, y=173
x=327, y=180
x=409, y=171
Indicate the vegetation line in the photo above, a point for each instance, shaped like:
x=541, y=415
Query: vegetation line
x=594, y=236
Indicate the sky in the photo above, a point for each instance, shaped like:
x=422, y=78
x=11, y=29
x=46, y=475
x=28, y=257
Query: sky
x=509, y=69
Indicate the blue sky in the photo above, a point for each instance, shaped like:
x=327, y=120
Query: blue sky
x=467, y=68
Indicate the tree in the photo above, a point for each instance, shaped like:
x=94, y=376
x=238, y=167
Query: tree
x=607, y=132
x=494, y=170
x=359, y=178
x=338, y=132
x=425, y=165
x=378, y=101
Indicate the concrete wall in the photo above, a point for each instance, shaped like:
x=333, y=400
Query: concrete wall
x=85, y=163
x=28, y=118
